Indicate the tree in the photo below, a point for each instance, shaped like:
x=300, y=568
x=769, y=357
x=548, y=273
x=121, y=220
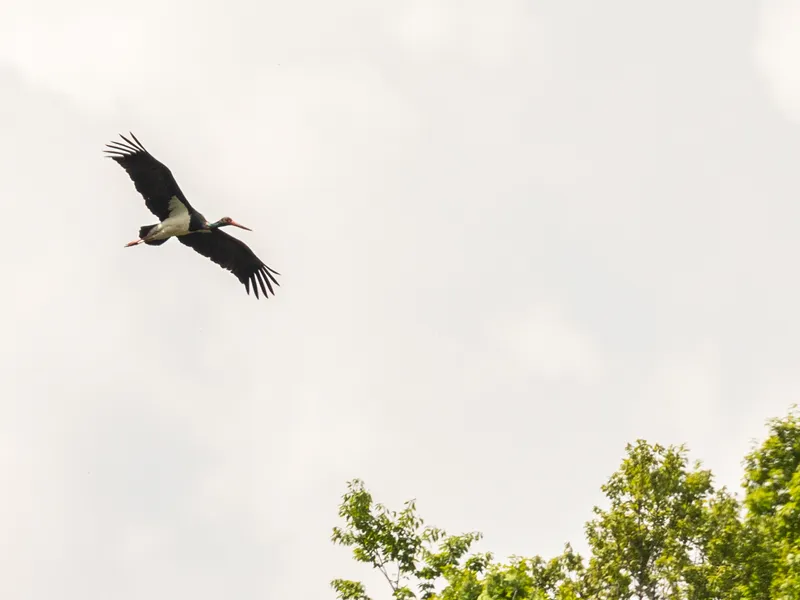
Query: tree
x=666, y=535
x=772, y=522
x=414, y=559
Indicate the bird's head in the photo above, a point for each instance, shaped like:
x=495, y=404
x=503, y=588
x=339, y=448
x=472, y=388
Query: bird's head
x=225, y=222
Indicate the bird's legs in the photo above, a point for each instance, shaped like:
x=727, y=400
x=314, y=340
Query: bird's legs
x=134, y=243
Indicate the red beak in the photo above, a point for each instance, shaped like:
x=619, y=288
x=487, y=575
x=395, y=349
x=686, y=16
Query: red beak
x=239, y=225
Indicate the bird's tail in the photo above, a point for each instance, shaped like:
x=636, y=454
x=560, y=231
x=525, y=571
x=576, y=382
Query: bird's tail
x=144, y=230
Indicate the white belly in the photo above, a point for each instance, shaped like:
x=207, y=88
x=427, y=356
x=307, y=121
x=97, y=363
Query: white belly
x=177, y=225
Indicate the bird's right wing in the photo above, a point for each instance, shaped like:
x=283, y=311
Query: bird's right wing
x=234, y=255
x=152, y=179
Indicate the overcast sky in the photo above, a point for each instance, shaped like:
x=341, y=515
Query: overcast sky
x=513, y=237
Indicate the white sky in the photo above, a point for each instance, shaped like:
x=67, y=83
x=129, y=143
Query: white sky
x=514, y=236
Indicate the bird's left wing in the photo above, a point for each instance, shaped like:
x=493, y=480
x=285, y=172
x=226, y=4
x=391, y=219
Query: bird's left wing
x=152, y=179
x=234, y=255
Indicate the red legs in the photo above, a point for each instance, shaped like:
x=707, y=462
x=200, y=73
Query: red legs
x=134, y=243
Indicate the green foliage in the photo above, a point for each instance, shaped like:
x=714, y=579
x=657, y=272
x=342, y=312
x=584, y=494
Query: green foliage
x=772, y=499
x=352, y=590
x=413, y=557
x=665, y=534
x=406, y=553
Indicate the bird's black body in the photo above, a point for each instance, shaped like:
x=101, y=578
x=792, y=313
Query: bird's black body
x=162, y=195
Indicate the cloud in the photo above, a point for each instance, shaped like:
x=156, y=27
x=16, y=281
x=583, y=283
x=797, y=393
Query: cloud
x=490, y=35
x=91, y=55
x=545, y=342
x=684, y=390
x=107, y=60
x=777, y=53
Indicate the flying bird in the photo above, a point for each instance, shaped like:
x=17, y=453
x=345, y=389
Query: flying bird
x=154, y=181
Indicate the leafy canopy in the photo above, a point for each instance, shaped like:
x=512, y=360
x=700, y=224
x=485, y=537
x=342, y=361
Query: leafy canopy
x=665, y=534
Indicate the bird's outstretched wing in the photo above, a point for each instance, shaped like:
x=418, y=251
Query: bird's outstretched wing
x=234, y=255
x=153, y=180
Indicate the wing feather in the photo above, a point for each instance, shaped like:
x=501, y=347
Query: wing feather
x=152, y=179
x=234, y=255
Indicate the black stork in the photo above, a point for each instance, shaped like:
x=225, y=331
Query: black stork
x=154, y=181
